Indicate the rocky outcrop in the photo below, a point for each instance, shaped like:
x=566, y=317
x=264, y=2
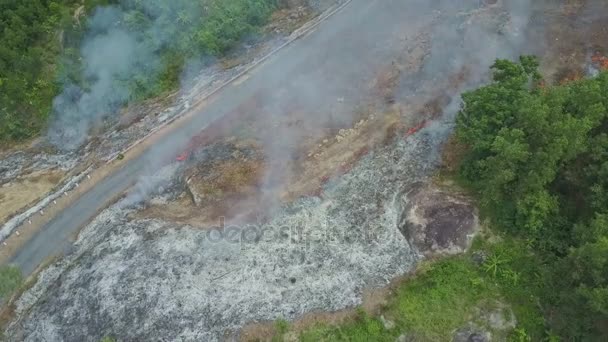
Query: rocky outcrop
x=437, y=222
x=472, y=334
x=222, y=169
x=492, y=322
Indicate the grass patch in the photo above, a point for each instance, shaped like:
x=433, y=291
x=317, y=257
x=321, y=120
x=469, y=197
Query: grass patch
x=10, y=280
x=363, y=328
x=446, y=295
x=442, y=298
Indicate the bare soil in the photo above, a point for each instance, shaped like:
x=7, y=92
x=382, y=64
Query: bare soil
x=235, y=186
x=25, y=191
x=578, y=30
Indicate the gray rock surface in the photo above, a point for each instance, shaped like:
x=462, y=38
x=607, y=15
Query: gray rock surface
x=437, y=222
x=472, y=334
x=490, y=322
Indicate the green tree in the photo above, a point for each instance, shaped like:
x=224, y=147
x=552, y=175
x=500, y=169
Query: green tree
x=537, y=158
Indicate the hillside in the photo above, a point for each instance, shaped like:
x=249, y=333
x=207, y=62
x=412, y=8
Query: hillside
x=310, y=170
x=48, y=66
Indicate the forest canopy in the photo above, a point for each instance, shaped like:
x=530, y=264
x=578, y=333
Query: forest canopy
x=537, y=159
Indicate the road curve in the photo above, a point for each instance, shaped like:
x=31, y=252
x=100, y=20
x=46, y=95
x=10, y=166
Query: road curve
x=337, y=60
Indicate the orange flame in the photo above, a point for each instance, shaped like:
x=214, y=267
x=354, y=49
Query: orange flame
x=600, y=61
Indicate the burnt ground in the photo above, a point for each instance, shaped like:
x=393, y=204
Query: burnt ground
x=331, y=224
x=31, y=172
x=570, y=35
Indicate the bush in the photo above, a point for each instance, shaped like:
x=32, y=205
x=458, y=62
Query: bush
x=41, y=42
x=537, y=159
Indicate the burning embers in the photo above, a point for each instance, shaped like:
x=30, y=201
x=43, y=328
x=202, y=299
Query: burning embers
x=599, y=61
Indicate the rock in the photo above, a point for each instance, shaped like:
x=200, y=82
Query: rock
x=437, y=222
x=388, y=324
x=471, y=333
x=402, y=338
x=501, y=318
x=477, y=337
x=496, y=317
x=479, y=258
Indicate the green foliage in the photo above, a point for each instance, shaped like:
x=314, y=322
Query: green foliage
x=27, y=52
x=10, y=280
x=537, y=158
x=207, y=28
x=520, y=335
x=41, y=41
x=364, y=328
x=446, y=295
x=494, y=264
x=442, y=298
x=282, y=326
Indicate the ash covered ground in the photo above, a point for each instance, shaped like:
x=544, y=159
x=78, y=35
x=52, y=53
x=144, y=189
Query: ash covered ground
x=146, y=277
x=31, y=175
x=153, y=280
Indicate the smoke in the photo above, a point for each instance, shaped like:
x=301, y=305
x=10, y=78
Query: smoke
x=320, y=83
x=121, y=53
x=328, y=85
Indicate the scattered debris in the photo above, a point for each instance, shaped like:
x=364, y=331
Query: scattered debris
x=17, y=220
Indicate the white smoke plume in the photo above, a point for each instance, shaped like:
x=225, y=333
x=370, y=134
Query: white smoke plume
x=124, y=46
x=326, y=85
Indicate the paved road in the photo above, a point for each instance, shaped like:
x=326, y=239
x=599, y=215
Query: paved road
x=338, y=60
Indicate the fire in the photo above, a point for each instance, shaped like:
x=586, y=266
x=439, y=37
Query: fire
x=415, y=129
x=600, y=61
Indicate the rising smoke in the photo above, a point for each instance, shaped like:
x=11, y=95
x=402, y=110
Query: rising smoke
x=338, y=76
x=321, y=81
x=121, y=50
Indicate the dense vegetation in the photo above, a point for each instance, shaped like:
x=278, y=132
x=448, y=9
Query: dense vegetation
x=42, y=42
x=28, y=54
x=536, y=159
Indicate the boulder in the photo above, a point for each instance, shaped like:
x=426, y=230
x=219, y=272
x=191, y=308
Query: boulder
x=471, y=334
x=388, y=324
x=220, y=170
x=437, y=222
x=496, y=317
